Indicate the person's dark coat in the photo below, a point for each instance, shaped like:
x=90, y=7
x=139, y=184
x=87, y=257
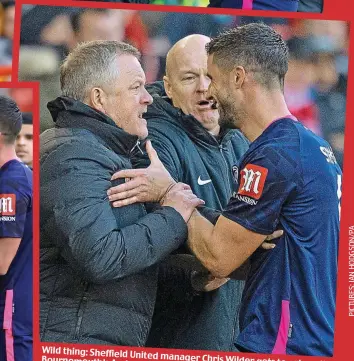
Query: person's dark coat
x=98, y=273
x=208, y=164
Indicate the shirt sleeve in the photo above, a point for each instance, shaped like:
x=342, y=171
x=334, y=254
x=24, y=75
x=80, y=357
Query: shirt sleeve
x=268, y=179
x=14, y=203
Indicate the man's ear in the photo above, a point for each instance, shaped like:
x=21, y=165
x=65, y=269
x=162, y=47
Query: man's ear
x=97, y=99
x=167, y=85
x=238, y=75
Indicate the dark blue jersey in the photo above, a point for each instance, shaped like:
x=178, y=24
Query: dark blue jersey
x=289, y=179
x=16, y=222
x=275, y=5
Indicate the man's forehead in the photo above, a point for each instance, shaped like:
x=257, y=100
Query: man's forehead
x=190, y=61
x=27, y=128
x=129, y=67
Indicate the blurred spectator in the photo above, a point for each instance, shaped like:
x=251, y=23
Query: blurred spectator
x=298, y=84
x=22, y=96
x=176, y=26
x=97, y=24
x=24, y=141
x=329, y=92
x=7, y=18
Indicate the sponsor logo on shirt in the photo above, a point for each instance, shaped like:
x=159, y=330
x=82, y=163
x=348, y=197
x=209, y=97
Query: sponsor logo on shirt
x=7, y=207
x=7, y=204
x=252, y=181
x=248, y=200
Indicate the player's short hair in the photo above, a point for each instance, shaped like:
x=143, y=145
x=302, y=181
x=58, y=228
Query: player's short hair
x=10, y=119
x=92, y=64
x=257, y=47
x=27, y=118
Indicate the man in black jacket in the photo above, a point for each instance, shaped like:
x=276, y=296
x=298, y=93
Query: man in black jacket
x=98, y=264
x=183, y=126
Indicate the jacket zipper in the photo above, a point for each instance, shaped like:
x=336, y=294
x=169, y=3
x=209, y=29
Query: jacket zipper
x=137, y=145
x=226, y=169
x=236, y=319
x=81, y=311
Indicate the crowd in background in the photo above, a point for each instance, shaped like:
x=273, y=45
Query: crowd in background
x=22, y=96
x=315, y=86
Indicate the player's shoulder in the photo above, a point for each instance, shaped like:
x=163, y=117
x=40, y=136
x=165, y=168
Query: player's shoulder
x=15, y=169
x=280, y=139
x=65, y=147
x=278, y=150
x=15, y=176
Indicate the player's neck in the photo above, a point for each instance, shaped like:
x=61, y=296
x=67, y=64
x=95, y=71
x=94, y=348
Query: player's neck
x=7, y=153
x=263, y=109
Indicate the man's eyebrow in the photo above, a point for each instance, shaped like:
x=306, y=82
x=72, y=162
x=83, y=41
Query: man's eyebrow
x=186, y=71
x=138, y=79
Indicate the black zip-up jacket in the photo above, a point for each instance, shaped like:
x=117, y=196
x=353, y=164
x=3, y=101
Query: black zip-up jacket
x=98, y=273
x=208, y=321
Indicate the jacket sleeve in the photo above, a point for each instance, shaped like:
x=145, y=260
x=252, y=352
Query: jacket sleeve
x=101, y=242
x=165, y=150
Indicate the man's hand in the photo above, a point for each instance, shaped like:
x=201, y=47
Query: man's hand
x=206, y=282
x=145, y=185
x=182, y=199
x=267, y=245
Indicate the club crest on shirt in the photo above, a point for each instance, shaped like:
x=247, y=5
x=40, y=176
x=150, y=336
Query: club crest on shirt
x=252, y=179
x=7, y=207
x=328, y=153
x=235, y=173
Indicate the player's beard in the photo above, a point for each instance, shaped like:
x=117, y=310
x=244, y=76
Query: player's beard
x=230, y=116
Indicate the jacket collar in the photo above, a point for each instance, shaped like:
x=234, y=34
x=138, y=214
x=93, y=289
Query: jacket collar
x=71, y=113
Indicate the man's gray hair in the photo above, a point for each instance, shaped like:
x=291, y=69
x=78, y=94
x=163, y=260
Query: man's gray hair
x=92, y=64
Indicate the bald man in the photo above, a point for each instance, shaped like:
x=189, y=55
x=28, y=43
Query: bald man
x=183, y=126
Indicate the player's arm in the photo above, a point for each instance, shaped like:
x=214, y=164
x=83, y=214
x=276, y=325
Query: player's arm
x=8, y=250
x=11, y=230
x=221, y=248
x=101, y=242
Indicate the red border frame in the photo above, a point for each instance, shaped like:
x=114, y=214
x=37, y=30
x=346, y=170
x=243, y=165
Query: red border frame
x=333, y=10
x=35, y=114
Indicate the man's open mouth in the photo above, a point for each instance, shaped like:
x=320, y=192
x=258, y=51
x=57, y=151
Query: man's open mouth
x=204, y=104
